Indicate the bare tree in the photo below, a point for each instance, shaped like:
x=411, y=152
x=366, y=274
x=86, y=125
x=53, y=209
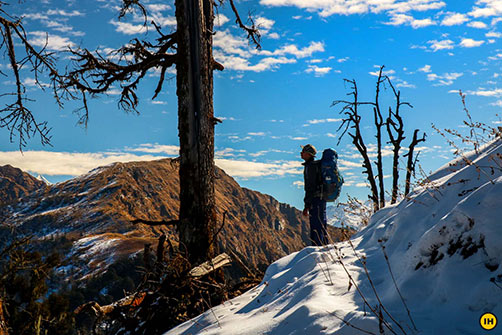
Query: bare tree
x=379, y=123
x=189, y=48
x=394, y=125
x=412, y=160
x=395, y=130
x=352, y=120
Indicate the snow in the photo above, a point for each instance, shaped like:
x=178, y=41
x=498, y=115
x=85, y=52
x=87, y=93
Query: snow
x=95, y=245
x=444, y=251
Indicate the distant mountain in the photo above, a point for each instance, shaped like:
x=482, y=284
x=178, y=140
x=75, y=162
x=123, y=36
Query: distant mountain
x=91, y=216
x=15, y=184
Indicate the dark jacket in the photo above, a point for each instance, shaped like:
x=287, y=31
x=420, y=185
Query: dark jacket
x=312, y=178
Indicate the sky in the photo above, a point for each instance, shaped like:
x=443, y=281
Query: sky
x=274, y=99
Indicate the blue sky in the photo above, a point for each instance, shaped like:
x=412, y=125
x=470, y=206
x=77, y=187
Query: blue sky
x=275, y=99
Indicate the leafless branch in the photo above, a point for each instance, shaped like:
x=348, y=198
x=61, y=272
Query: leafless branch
x=253, y=32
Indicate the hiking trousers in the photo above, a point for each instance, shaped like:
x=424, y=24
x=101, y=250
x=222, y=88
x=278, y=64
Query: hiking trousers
x=318, y=222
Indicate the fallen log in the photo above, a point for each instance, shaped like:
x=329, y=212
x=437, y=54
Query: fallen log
x=209, y=266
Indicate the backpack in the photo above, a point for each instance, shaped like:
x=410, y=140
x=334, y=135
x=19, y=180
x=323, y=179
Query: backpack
x=332, y=180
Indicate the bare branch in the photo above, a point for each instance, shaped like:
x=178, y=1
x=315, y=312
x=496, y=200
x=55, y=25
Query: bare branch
x=253, y=32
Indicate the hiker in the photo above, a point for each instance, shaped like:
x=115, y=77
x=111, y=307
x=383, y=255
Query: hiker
x=315, y=206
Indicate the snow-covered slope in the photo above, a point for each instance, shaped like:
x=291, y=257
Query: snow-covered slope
x=444, y=248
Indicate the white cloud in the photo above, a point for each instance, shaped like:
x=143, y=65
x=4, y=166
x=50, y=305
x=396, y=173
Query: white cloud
x=274, y=36
x=35, y=16
x=220, y=20
x=128, y=28
x=327, y=8
x=250, y=169
x=172, y=150
x=405, y=84
x=453, y=19
x=264, y=152
x=497, y=103
x=31, y=82
x=318, y=71
x=477, y=24
x=493, y=34
x=224, y=118
x=53, y=42
x=470, y=43
x=445, y=79
x=436, y=45
x=487, y=8
x=496, y=57
x=62, y=28
x=497, y=92
x=235, y=53
x=317, y=121
x=295, y=51
x=158, y=7
x=158, y=102
x=260, y=133
x=384, y=73
x=299, y=184
x=75, y=164
x=426, y=69
x=229, y=152
x=495, y=21
x=231, y=44
x=398, y=19
x=66, y=163
x=264, y=24
x=64, y=13
x=243, y=64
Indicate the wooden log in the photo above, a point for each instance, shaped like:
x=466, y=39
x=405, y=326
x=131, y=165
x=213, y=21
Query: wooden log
x=209, y=266
x=133, y=300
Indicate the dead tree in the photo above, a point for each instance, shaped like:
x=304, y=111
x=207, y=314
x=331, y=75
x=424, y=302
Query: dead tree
x=412, y=160
x=379, y=123
x=394, y=124
x=92, y=73
x=352, y=120
x=395, y=130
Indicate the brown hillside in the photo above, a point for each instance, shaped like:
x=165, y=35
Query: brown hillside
x=15, y=184
x=95, y=211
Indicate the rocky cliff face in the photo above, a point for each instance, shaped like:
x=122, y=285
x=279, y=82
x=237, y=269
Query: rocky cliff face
x=93, y=213
x=15, y=183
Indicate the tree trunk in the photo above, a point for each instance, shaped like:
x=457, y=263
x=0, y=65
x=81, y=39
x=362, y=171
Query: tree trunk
x=378, y=124
x=196, y=128
x=410, y=166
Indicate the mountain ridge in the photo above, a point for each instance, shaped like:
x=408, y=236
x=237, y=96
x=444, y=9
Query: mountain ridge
x=95, y=212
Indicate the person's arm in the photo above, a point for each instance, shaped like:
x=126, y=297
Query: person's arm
x=310, y=186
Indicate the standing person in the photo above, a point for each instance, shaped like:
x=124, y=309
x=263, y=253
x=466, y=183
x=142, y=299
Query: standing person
x=315, y=206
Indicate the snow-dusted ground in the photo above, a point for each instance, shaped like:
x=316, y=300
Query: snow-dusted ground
x=444, y=247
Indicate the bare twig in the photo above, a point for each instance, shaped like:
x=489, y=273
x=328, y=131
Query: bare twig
x=397, y=287
x=350, y=324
